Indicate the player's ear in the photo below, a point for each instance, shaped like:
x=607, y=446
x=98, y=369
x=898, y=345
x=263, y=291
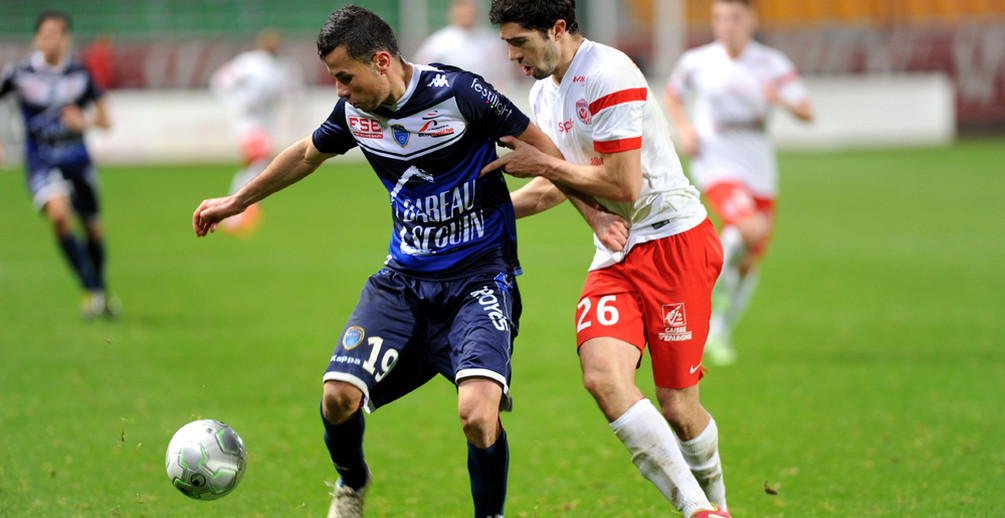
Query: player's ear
x=558, y=30
x=382, y=60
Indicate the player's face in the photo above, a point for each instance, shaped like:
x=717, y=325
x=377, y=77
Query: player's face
x=52, y=39
x=733, y=24
x=361, y=83
x=537, y=54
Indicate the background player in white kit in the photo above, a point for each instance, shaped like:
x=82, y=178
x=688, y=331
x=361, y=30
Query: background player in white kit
x=735, y=82
x=468, y=44
x=596, y=106
x=253, y=86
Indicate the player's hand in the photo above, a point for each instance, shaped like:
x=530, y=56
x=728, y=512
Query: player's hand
x=524, y=161
x=770, y=93
x=211, y=212
x=688, y=143
x=73, y=117
x=611, y=229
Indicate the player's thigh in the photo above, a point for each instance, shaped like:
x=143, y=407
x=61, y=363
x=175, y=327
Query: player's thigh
x=610, y=307
x=85, y=193
x=677, y=290
x=46, y=183
x=480, y=335
x=381, y=350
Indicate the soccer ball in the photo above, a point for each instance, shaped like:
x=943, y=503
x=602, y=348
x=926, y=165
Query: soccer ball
x=205, y=459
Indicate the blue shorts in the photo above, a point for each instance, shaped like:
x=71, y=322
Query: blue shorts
x=405, y=330
x=78, y=182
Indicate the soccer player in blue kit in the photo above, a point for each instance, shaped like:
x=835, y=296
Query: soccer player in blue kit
x=446, y=301
x=53, y=88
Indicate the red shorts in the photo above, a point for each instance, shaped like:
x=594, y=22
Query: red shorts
x=256, y=145
x=661, y=294
x=733, y=202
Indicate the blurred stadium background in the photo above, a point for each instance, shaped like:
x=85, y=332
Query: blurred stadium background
x=883, y=72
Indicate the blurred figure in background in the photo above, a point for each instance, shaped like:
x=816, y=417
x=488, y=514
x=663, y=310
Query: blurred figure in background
x=468, y=44
x=53, y=88
x=735, y=82
x=253, y=86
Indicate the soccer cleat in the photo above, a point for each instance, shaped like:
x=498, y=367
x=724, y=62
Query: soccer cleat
x=711, y=513
x=113, y=307
x=346, y=501
x=93, y=305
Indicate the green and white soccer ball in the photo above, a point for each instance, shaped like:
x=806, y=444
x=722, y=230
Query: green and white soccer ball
x=206, y=459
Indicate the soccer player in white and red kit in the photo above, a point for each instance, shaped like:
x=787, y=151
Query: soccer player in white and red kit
x=253, y=86
x=735, y=82
x=595, y=104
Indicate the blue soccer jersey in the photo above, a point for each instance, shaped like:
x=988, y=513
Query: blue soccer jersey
x=43, y=91
x=428, y=150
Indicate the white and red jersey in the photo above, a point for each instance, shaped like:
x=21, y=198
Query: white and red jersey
x=730, y=111
x=251, y=85
x=602, y=106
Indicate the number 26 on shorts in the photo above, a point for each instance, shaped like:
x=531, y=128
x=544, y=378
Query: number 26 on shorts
x=605, y=314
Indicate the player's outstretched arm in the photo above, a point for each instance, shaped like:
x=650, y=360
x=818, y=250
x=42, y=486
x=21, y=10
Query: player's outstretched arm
x=292, y=165
x=688, y=144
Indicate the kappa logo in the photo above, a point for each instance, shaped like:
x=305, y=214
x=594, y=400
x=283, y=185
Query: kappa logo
x=353, y=337
x=675, y=320
x=439, y=81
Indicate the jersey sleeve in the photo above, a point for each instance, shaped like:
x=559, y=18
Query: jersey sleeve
x=334, y=136
x=487, y=110
x=94, y=90
x=6, y=80
x=615, y=98
x=788, y=81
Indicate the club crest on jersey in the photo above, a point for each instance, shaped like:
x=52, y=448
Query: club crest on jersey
x=583, y=110
x=400, y=134
x=353, y=337
x=675, y=322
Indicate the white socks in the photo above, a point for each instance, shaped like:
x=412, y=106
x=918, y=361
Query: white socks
x=702, y=455
x=653, y=446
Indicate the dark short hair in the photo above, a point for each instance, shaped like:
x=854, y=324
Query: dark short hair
x=361, y=31
x=52, y=14
x=538, y=15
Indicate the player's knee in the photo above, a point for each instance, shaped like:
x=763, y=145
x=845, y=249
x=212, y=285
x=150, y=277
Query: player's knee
x=480, y=427
x=340, y=401
x=480, y=422
x=600, y=384
x=754, y=229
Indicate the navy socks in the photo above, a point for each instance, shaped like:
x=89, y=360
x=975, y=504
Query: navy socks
x=345, y=446
x=488, y=468
x=80, y=263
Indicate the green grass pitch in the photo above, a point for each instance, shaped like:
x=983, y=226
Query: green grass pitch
x=870, y=380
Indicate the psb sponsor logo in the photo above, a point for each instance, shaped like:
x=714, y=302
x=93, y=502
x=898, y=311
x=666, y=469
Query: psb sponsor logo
x=490, y=304
x=400, y=134
x=675, y=320
x=353, y=337
x=583, y=111
x=439, y=81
